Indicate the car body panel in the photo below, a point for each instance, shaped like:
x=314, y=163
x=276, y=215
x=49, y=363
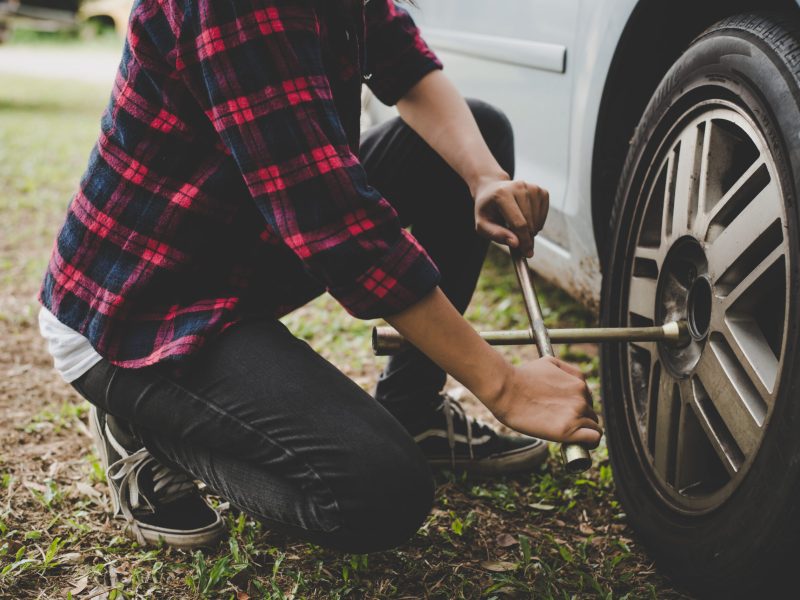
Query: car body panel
x=554, y=113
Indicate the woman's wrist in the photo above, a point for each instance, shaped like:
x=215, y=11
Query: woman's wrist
x=475, y=181
x=493, y=385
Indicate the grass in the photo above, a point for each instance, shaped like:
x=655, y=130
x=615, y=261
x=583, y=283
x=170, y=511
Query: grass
x=542, y=535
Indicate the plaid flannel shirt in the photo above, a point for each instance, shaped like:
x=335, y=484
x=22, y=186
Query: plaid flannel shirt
x=226, y=179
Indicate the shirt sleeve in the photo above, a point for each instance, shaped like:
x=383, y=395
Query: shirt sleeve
x=397, y=56
x=267, y=95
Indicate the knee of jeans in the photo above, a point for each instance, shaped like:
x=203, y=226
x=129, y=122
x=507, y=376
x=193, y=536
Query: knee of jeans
x=394, y=507
x=496, y=130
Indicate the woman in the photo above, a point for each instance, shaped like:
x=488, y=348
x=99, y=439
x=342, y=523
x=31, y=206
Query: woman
x=229, y=186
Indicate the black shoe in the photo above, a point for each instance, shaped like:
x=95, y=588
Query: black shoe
x=157, y=502
x=450, y=438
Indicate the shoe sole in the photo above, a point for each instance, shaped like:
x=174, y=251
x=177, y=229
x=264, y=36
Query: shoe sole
x=524, y=459
x=204, y=537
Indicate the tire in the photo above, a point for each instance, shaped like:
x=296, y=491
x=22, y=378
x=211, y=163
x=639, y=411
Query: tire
x=704, y=439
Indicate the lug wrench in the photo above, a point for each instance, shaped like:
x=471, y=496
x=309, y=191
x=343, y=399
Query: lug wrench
x=576, y=458
x=386, y=341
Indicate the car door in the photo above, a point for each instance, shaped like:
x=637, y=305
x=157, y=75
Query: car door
x=514, y=54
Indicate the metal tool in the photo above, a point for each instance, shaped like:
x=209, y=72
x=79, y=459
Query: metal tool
x=387, y=340
x=576, y=458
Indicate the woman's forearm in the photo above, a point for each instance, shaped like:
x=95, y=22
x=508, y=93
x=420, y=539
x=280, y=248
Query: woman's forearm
x=546, y=398
x=437, y=329
x=435, y=109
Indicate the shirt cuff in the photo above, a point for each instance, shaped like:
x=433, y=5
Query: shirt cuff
x=404, y=276
x=405, y=74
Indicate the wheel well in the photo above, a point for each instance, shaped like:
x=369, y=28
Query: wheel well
x=655, y=36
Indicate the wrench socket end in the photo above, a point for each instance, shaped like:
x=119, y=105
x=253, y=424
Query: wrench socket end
x=576, y=458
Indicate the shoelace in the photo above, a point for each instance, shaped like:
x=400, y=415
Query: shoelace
x=169, y=485
x=451, y=408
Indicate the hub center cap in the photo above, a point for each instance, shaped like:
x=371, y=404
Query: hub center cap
x=684, y=294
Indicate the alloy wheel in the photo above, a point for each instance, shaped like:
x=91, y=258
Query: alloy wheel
x=711, y=248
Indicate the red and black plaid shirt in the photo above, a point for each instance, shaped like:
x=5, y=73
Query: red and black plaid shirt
x=226, y=178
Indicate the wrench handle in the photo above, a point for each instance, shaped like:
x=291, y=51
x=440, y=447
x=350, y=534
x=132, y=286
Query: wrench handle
x=576, y=458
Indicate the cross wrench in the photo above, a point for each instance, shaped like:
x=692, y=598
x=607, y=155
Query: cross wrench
x=576, y=458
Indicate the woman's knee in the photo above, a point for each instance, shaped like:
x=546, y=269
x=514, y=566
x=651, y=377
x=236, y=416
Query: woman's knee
x=497, y=131
x=393, y=506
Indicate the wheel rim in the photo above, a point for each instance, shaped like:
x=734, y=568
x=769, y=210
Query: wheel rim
x=711, y=248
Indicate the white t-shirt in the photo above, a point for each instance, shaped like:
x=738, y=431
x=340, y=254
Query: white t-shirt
x=72, y=353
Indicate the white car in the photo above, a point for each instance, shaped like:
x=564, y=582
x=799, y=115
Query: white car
x=668, y=135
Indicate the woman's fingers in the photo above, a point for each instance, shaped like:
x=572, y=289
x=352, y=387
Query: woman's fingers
x=516, y=221
x=496, y=233
x=567, y=367
x=539, y=200
x=511, y=213
x=586, y=436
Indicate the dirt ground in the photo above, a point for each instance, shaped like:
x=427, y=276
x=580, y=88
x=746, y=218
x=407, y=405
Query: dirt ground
x=543, y=535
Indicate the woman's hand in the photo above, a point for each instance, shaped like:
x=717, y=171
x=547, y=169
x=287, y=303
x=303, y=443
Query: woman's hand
x=548, y=399
x=510, y=212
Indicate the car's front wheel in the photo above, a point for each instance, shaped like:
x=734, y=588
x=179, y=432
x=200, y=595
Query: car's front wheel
x=705, y=438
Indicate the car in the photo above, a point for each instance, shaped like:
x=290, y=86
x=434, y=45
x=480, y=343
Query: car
x=89, y=16
x=668, y=135
x=106, y=14
x=44, y=15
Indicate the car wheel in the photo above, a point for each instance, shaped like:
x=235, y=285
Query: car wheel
x=704, y=438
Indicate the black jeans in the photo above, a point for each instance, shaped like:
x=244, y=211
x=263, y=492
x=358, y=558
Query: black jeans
x=281, y=433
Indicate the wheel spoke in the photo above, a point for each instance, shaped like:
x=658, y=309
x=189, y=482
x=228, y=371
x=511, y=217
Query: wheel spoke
x=752, y=178
x=706, y=164
x=717, y=434
x=753, y=353
x=684, y=446
x=685, y=188
x=668, y=410
x=642, y=297
x=732, y=396
x=752, y=278
x=669, y=195
x=740, y=235
x=649, y=347
x=648, y=253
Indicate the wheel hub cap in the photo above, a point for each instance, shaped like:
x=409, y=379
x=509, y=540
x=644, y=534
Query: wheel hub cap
x=684, y=294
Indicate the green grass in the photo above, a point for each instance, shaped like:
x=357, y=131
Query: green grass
x=542, y=535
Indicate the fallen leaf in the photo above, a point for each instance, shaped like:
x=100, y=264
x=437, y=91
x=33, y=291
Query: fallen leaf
x=34, y=486
x=540, y=506
x=585, y=529
x=70, y=558
x=506, y=540
x=240, y=595
x=79, y=586
x=87, y=490
x=499, y=566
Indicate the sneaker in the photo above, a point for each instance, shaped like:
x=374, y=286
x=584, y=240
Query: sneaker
x=456, y=440
x=156, y=502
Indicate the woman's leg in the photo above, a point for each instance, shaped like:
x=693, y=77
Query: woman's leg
x=435, y=201
x=271, y=426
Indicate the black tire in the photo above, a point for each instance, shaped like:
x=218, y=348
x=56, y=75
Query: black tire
x=747, y=546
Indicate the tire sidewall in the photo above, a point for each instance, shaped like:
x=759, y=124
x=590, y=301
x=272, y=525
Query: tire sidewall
x=745, y=536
